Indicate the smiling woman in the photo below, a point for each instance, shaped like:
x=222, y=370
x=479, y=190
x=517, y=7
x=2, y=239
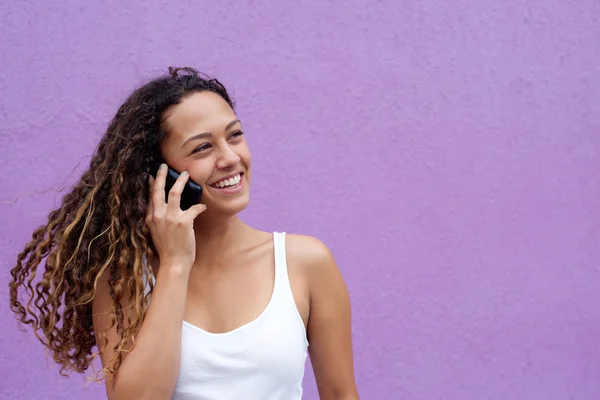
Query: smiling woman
x=190, y=304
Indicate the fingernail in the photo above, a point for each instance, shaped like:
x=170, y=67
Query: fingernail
x=184, y=173
x=163, y=167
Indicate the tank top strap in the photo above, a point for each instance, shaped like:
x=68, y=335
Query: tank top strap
x=281, y=273
x=283, y=286
x=282, y=281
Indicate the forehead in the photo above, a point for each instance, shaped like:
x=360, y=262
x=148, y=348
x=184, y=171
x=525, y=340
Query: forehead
x=198, y=113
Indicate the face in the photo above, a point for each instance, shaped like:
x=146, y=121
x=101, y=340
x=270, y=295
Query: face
x=206, y=139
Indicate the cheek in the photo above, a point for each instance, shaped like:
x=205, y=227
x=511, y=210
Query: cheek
x=246, y=156
x=201, y=172
x=247, y=161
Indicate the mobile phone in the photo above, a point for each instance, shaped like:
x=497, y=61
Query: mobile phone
x=192, y=192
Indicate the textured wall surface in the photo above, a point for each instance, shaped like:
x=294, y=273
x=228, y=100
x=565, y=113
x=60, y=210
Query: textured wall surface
x=446, y=151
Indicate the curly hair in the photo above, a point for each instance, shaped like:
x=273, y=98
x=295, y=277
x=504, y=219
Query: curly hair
x=100, y=229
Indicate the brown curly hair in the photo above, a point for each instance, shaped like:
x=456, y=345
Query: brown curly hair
x=100, y=229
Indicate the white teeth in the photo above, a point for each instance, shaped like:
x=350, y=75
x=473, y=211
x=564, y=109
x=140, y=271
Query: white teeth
x=229, y=182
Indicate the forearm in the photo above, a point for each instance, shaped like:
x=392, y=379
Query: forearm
x=150, y=370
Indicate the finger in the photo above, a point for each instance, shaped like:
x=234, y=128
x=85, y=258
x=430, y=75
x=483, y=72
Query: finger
x=176, y=190
x=195, y=210
x=158, y=187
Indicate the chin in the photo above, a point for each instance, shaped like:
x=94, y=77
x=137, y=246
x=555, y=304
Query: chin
x=229, y=208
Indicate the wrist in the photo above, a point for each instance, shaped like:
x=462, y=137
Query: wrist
x=174, y=270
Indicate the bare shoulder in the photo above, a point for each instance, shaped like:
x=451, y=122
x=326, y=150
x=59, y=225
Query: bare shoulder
x=312, y=259
x=309, y=252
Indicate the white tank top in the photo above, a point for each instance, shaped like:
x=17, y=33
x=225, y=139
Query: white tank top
x=263, y=359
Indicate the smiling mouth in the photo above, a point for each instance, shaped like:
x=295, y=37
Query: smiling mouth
x=230, y=183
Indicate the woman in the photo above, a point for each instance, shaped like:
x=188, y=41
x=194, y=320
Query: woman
x=190, y=304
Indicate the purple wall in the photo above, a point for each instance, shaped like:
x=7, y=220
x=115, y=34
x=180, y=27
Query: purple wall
x=447, y=152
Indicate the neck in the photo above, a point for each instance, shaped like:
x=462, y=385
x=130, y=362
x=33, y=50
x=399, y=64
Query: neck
x=216, y=236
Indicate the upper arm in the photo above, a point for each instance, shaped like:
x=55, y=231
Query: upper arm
x=329, y=323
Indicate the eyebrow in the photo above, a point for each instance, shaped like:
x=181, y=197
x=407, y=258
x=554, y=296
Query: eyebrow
x=209, y=134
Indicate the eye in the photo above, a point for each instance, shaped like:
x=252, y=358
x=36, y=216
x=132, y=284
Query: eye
x=202, y=147
x=236, y=134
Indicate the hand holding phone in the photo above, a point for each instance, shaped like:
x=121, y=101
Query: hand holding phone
x=192, y=192
x=171, y=229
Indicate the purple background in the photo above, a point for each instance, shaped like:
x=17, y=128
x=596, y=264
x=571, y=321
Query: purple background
x=447, y=152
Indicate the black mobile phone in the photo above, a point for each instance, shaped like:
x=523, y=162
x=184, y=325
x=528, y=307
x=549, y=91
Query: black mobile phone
x=192, y=192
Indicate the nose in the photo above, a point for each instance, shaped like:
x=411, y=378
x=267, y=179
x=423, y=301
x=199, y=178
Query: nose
x=228, y=157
